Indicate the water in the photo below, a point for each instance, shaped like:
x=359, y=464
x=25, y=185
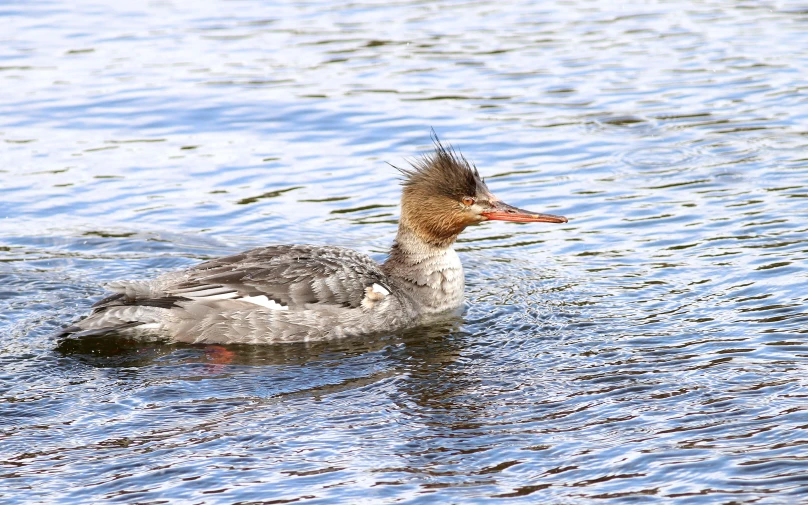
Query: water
x=652, y=350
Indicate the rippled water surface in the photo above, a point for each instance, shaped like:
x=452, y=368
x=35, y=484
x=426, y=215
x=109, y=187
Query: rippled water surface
x=652, y=350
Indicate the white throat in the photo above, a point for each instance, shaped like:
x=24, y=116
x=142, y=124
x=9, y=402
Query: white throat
x=431, y=275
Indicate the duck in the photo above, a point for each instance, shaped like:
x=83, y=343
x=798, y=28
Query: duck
x=304, y=293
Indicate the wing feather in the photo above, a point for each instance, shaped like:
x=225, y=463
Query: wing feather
x=292, y=276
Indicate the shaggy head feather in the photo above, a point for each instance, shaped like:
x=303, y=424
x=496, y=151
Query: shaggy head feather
x=434, y=189
x=443, y=172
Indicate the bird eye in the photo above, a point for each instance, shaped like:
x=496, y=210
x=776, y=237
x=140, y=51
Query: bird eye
x=468, y=201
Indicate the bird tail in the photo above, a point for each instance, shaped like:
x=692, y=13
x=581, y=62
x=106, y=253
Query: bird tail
x=115, y=313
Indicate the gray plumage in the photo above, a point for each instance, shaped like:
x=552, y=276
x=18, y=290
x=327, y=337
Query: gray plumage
x=281, y=293
x=290, y=293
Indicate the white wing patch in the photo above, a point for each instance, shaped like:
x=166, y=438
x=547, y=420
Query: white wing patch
x=263, y=301
x=223, y=293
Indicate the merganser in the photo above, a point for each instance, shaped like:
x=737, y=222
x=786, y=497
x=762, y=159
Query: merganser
x=291, y=293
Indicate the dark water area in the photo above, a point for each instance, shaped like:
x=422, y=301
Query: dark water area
x=653, y=350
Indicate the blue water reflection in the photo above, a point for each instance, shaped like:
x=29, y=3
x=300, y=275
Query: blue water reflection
x=653, y=349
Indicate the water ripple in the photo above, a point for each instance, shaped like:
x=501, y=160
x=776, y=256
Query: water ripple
x=651, y=350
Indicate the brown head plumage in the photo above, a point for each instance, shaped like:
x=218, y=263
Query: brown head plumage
x=443, y=193
x=435, y=187
x=445, y=172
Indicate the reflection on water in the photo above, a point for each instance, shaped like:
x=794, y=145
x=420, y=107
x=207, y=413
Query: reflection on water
x=653, y=349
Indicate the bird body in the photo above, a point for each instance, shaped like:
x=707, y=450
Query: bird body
x=291, y=293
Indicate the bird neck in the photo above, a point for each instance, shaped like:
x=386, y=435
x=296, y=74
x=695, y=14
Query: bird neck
x=412, y=247
x=430, y=273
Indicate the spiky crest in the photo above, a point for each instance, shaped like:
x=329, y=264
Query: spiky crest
x=444, y=171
